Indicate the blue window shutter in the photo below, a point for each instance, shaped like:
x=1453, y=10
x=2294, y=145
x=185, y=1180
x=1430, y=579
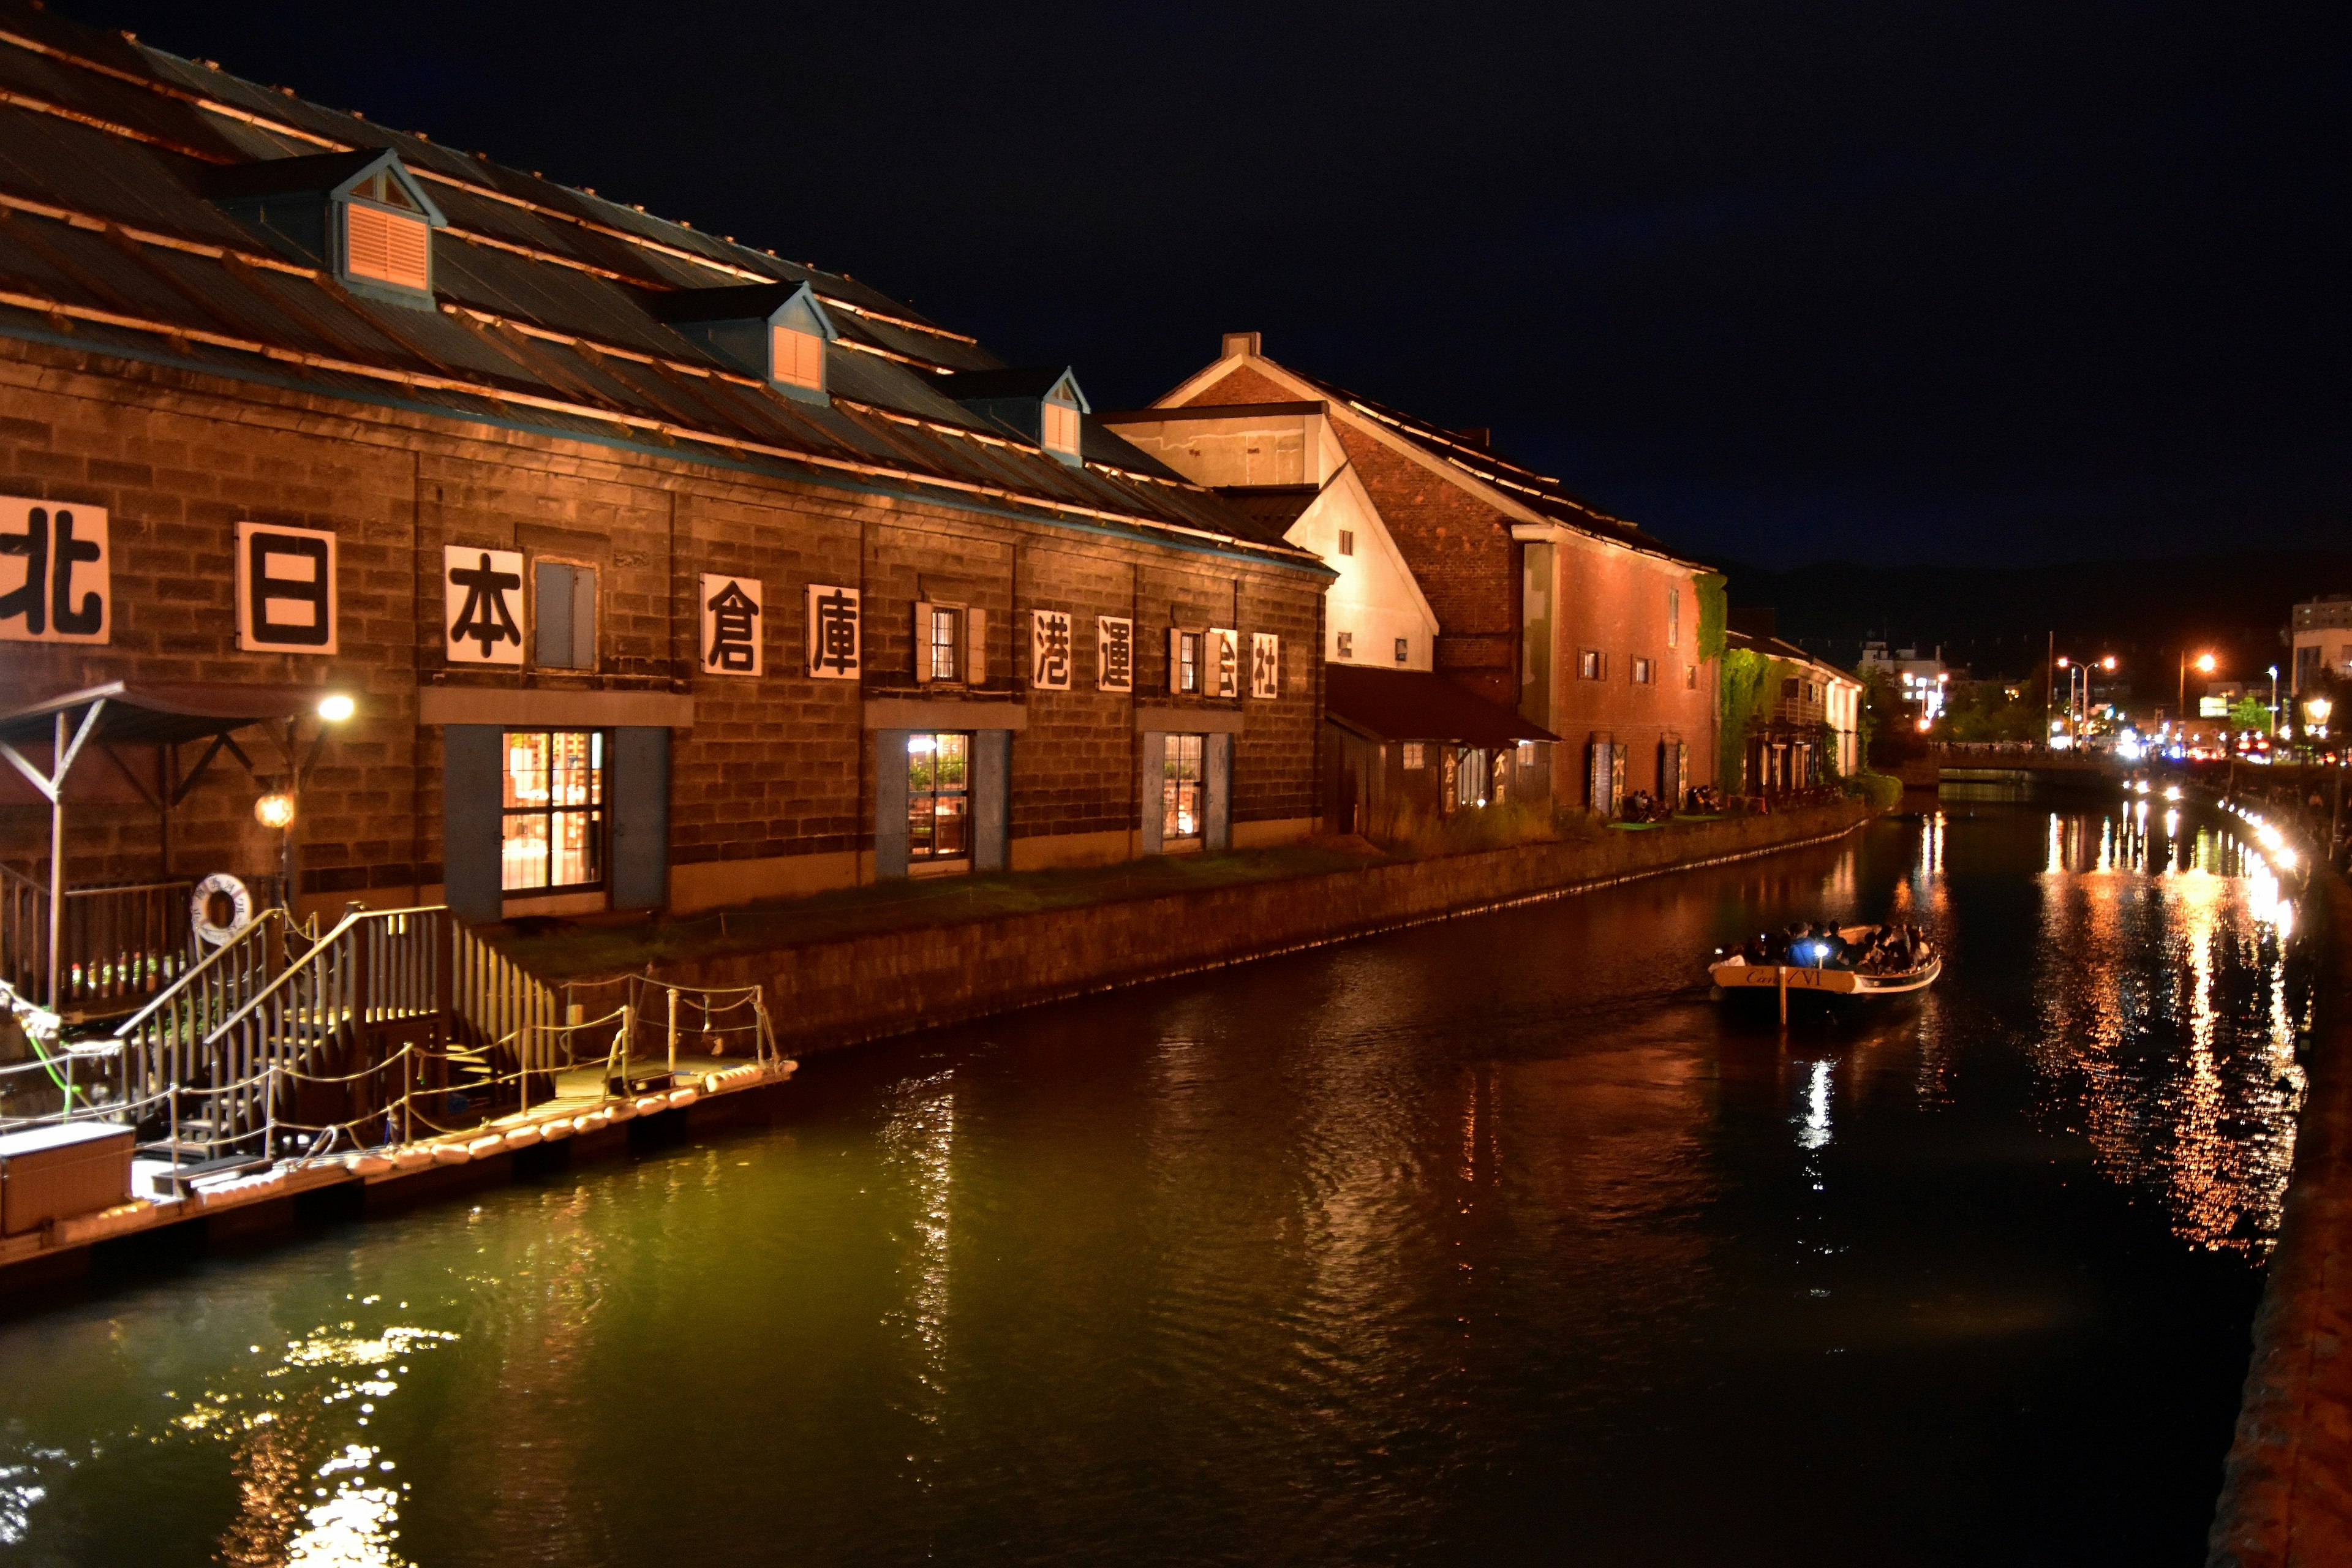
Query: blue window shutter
x=889, y=803
x=552, y=595
x=472, y=822
x=1218, y=785
x=640, y=818
x=583, y=617
x=991, y=794
x=1154, y=788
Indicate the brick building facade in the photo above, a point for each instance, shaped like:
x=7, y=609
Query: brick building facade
x=1580, y=621
x=626, y=422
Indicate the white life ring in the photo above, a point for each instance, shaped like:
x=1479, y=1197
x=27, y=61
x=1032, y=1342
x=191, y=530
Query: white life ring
x=200, y=904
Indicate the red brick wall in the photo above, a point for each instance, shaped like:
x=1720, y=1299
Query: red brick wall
x=1615, y=602
x=778, y=766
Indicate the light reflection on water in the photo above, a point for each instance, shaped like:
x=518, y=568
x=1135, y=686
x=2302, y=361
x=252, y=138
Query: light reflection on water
x=1454, y=1244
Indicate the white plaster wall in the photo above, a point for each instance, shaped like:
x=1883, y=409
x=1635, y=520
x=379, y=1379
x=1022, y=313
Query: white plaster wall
x=1375, y=598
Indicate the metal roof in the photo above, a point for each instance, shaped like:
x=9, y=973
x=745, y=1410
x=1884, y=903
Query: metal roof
x=544, y=294
x=1416, y=705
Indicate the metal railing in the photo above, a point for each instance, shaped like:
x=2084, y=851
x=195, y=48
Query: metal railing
x=119, y=944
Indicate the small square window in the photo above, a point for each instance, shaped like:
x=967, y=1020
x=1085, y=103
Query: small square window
x=1589, y=666
x=1347, y=542
x=1641, y=672
x=1347, y=645
x=1414, y=760
x=1404, y=649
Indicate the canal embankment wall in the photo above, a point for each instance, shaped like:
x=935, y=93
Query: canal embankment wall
x=825, y=994
x=2286, y=1496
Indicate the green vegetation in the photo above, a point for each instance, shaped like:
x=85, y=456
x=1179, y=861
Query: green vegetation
x=1879, y=790
x=1749, y=680
x=2250, y=712
x=1982, y=710
x=1714, y=613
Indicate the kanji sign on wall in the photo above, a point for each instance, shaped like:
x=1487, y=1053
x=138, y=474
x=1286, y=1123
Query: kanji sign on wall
x=1266, y=665
x=285, y=589
x=1221, y=653
x=56, y=577
x=835, y=641
x=1049, y=649
x=482, y=604
x=1114, y=653
x=731, y=608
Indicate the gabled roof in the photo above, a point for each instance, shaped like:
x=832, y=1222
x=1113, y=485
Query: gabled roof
x=1539, y=494
x=736, y=302
x=1279, y=505
x=1416, y=705
x=321, y=174
x=1023, y=381
x=116, y=246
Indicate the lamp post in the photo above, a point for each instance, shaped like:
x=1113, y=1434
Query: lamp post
x=2315, y=710
x=2274, y=703
x=2204, y=667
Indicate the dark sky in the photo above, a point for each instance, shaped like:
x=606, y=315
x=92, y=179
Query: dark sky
x=1970, y=282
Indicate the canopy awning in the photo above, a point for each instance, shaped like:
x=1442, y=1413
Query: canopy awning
x=1416, y=705
x=157, y=713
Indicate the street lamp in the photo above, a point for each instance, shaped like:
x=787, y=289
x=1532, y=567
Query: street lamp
x=2204, y=667
x=2274, y=703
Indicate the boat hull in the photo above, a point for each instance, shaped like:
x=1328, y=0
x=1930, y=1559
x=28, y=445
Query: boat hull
x=1738, y=974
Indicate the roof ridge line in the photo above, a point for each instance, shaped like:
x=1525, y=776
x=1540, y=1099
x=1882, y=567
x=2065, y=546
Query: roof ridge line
x=213, y=106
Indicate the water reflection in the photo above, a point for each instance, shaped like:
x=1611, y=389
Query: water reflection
x=2183, y=1076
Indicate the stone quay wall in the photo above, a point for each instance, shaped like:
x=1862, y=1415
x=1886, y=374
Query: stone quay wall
x=827, y=995
x=2287, y=1497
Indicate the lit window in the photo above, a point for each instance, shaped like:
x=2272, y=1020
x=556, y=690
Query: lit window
x=1641, y=672
x=1347, y=542
x=1404, y=649
x=1180, y=794
x=798, y=357
x=940, y=649
x=1188, y=661
x=565, y=628
x=1061, y=428
x=939, y=796
x=1414, y=760
x=1589, y=666
x=553, y=834
x=1347, y=645
x=387, y=247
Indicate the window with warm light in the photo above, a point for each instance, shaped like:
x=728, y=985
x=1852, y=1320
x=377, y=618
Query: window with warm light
x=1180, y=794
x=939, y=796
x=1641, y=672
x=946, y=633
x=1590, y=666
x=553, y=834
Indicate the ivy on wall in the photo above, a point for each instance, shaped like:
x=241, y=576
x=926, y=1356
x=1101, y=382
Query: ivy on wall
x=1713, y=614
x=1749, y=679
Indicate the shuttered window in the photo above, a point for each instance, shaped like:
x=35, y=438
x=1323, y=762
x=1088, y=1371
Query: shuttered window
x=798, y=358
x=1061, y=428
x=388, y=248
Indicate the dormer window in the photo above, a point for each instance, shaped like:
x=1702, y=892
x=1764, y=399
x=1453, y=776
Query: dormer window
x=776, y=330
x=797, y=357
x=1041, y=403
x=361, y=214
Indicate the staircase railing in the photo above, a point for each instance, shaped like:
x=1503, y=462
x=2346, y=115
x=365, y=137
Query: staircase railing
x=162, y=1043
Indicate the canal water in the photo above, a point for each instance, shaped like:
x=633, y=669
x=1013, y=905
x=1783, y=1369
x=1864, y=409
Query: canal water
x=1490, y=1241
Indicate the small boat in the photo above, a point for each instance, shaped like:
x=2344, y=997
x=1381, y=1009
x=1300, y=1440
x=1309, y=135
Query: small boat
x=1813, y=963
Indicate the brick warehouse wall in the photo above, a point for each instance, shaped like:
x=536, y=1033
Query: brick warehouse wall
x=771, y=787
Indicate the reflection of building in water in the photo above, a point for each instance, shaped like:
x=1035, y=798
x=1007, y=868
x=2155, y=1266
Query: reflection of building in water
x=2182, y=1077
x=918, y=1142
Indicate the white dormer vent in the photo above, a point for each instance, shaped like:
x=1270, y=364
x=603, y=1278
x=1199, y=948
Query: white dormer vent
x=1061, y=428
x=797, y=357
x=362, y=213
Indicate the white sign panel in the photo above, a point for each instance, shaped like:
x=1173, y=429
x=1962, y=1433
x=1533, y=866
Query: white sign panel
x=482, y=604
x=1114, y=653
x=1049, y=649
x=1221, y=653
x=731, y=608
x=56, y=577
x=285, y=589
x=836, y=640
x=1266, y=665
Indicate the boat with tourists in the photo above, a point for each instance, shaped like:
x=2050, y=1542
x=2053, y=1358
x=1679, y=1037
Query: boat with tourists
x=1894, y=959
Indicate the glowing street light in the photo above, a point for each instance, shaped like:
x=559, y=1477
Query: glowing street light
x=336, y=707
x=275, y=809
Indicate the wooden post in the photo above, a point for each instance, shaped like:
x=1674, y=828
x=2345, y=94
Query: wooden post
x=1781, y=974
x=673, y=1031
x=56, y=998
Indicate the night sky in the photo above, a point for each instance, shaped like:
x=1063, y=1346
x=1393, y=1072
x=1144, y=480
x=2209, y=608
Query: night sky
x=1964, y=283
